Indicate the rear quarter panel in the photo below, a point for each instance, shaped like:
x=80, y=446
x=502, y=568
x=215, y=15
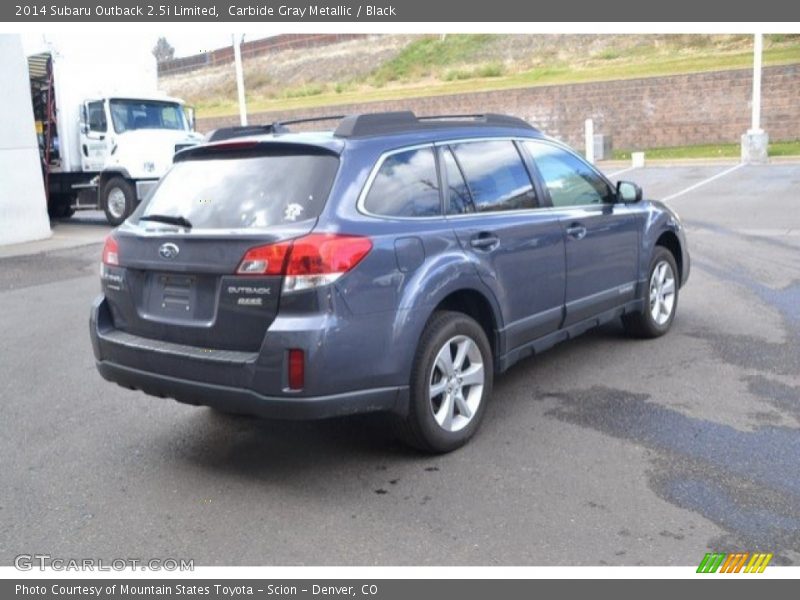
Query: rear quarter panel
x=414, y=264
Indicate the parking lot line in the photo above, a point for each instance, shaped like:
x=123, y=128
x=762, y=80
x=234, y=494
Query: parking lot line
x=701, y=183
x=615, y=173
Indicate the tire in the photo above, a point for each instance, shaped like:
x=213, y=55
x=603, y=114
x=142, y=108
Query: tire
x=443, y=422
x=119, y=199
x=652, y=323
x=60, y=206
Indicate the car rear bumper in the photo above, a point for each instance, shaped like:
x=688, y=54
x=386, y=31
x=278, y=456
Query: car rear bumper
x=236, y=382
x=246, y=401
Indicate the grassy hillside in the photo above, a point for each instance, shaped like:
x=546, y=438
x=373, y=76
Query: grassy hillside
x=402, y=66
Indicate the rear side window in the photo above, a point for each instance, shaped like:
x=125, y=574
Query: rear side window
x=496, y=175
x=406, y=185
x=244, y=192
x=569, y=180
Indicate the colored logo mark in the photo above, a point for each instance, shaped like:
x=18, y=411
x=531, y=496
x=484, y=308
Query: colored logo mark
x=717, y=562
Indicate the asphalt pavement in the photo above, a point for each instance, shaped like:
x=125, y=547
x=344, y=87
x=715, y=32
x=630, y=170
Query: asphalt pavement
x=603, y=450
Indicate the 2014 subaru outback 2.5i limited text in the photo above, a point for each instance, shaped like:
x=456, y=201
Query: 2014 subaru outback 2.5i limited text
x=394, y=264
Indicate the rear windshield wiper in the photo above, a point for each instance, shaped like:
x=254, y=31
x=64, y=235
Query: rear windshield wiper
x=169, y=220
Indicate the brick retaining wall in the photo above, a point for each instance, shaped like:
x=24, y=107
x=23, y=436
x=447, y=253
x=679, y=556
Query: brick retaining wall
x=650, y=112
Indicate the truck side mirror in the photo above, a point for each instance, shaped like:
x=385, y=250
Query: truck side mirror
x=84, y=120
x=190, y=117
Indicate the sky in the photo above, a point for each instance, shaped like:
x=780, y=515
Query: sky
x=185, y=43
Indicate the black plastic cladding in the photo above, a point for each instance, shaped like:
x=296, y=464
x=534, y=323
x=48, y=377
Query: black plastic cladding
x=406, y=121
x=374, y=124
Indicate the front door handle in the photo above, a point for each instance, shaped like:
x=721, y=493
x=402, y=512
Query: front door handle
x=485, y=241
x=576, y=231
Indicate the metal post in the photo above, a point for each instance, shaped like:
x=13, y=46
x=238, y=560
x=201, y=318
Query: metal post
x=588, y=133
x=237, y=59
x=755, y=142
x=755, y=126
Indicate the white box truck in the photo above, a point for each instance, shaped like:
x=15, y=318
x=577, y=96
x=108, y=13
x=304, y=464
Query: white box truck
x=106, y=135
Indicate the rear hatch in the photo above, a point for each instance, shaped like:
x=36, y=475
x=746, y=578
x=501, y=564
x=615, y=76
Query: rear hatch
x=175, y=277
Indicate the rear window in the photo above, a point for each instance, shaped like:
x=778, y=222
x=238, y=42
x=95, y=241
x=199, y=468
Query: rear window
x=245, y=192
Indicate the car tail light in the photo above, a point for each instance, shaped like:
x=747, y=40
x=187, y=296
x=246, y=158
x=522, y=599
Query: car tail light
x=307, y=262
x=111, y=252
x=297, y=369
x=264, y=260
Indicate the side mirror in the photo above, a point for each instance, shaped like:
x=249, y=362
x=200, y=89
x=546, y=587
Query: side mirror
x=628, y=192
x=190, y=117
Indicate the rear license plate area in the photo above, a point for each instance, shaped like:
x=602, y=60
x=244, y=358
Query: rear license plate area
x=172, y=295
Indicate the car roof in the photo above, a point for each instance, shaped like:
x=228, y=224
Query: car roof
x=328, y=141
x=387, y=129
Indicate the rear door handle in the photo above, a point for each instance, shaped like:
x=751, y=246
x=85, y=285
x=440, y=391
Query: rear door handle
x=484, y=241
x=576, y=231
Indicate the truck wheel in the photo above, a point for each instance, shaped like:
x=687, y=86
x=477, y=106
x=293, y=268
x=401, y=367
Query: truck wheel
x=60, y=206
x=451, y=382
x=119, y=199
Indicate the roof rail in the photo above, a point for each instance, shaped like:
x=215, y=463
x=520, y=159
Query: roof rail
x=281, y=126
x=371, y=124
x=227, y=133
x=406, y=121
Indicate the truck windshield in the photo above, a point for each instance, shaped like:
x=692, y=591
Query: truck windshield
x=129, y=114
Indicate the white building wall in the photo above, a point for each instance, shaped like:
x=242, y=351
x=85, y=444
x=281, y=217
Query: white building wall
x=23, y=207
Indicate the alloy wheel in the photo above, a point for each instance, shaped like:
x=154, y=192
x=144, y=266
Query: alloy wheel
x=456, y=383
x=662, y=293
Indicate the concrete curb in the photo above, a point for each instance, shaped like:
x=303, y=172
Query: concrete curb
x=690, y=162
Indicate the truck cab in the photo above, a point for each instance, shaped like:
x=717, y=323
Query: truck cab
x=106, y=134
x=129, y=143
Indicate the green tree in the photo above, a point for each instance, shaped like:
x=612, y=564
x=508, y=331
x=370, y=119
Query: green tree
x=162, y=50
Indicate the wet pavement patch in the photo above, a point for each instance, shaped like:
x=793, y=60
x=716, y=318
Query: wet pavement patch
x=18, y=272
x=785, y=398
x=747, y=482
x=752, y=353
x=786, y=300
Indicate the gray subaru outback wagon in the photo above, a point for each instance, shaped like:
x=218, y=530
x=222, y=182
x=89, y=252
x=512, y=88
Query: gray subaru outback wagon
x=395, y=264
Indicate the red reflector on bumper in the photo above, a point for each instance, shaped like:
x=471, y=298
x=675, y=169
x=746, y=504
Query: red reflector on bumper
x=297, y=369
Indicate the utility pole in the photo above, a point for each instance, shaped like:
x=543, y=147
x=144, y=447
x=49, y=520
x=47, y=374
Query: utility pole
x=588, y=139
x=758, y=45
x=237, y=59
x=756, y=141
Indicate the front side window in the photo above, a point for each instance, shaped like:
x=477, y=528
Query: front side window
x=496, y=176
x=406, y=185
x=128, y=115
x=244, y=192
x=569, y=179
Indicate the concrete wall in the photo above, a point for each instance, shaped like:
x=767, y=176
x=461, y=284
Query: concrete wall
x=650, y=112
x=23, y=208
